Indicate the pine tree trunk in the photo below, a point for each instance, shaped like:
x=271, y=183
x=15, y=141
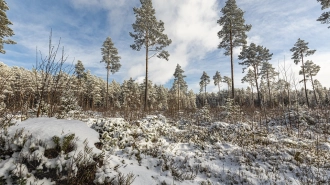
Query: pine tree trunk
x=178, y=97
x=205, y=95
x=146, y=87
x=80, y=95
x=256, y=81
x=302, y=60
x=252, y=95
x=268, y=84
x=228, y=90
x=232, y=62
x=314, y=90
x=106, y=96
x=219, y=92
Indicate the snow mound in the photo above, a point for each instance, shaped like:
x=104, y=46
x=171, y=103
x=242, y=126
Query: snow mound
x=45, y=128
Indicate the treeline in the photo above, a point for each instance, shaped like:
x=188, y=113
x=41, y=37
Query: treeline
x=35, y=92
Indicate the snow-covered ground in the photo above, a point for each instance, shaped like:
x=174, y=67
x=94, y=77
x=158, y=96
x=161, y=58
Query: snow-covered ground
x=158, y=151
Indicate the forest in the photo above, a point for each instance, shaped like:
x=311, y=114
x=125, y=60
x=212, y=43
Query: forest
x=271, y=132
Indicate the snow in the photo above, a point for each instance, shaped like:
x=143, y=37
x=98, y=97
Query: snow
x=45, y=128
x=159, y=151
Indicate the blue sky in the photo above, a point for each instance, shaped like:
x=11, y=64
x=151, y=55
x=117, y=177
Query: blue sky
x=83, y=25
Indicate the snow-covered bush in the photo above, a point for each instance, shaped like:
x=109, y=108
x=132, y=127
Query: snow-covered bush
x=62, y=158
x=69, y=105
x=233, y=113
x=203, y=115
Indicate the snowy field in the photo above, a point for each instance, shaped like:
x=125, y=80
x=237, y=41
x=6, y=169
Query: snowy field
x=160, y=151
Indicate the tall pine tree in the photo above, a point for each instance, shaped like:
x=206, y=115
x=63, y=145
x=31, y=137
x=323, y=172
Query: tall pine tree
x=179, y=82
x=232, y=32
x=325, y=16
x=217, y=80
x=4, y=27
x=249, y=78
x=268, y=73
x=111, y=59
x=80, y=74
x=205, y=79
x=301, y=50
x=148, y=32
x=311, y=70
x=253, y=56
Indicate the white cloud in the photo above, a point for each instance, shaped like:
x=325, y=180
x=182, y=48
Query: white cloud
x=191, y=24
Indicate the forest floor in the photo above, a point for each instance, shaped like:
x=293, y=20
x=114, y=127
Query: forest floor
x=157, y=150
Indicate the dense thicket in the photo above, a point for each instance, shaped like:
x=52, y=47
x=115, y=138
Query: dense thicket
x=19, y=92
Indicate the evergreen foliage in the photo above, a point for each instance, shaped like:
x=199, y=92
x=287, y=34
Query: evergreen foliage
x=4, y=27
x=268, y=73
x=253, y=56
x=217, y=79
x=311, y=70
x=148, y=32
x=301, y=50
x=80, y=70
x=205, y=79
x=249, y=78
x=325, y=16
x=228, y=81
x=179, y=84
x=111, y=59
x=232, y=32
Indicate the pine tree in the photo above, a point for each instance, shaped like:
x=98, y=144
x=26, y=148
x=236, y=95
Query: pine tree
x=217, y=80
x=322, y=92
x=325, y=16
x=111, y=59
x=162, y=96
x=249, y=78
x=228, y=81
x=179, y=83
x=149, y=33
x=253, y=56
x=301, y=50
x=80, y=70
x=80, y=74
x=131, y=97
x=268, y=73
x=205, y=79
x=232, y=32
x=311, y=70
x=5, y=30
x=191, y=96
